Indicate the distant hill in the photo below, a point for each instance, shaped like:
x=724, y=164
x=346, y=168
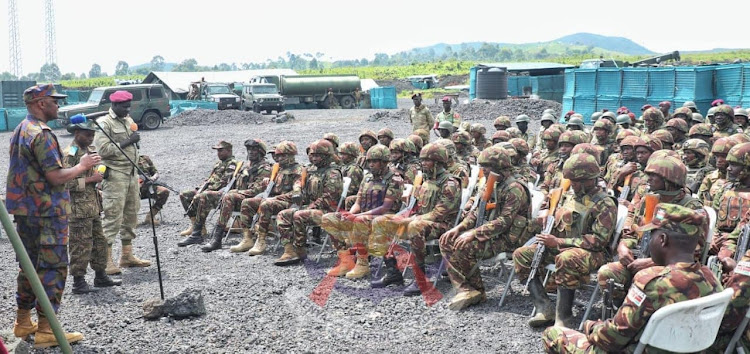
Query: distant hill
x=614, y=44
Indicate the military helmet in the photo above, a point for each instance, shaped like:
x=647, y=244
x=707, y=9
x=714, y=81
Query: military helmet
x=410, y=147
x=664, y=135
x=624, y=133
x=661, y=154
x=603, y=124
x=462, y=137
x=446, y=125
x=286, y=147
x=548, y=118
x=549, y=111
x=654, y=114
x=434, y=152
x=570, y=138
x=424, y=134
x=514, y=132
x=723, y=145
x=256, y=143
x=465, y=126
x=670, y=169
x=386, y=132
x=379, y=152
x=698, y=117
x=726, y=109
x=650, y=143
x=679, y=124
x=631, y=141
x=588, y=148
x=688, y=105
x=609, y=115
x=740, y=112
x=740, y=154
x=509, y=150
x=581, y=167
x=682, y=111
x=448, y=145
x=595, y=116
x=416, y=141
x=575, y=121
x=349, y=148
x=522, y=118
x=496, y=157
x=333, y=138
x=623, y=119
x=711, y=112
x=503, y=135
x=501, y=120
x=551, y=134
x=398, y=145
x=740, y=138
x=478, y=127
x=697, y=145
x=521, y=146
x=701, y=129
x=322, y=146
x=368, y=133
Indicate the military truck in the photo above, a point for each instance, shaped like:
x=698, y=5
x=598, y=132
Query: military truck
x=262, y=97
x=221, y=94
x=149, y=107
x=311, y=91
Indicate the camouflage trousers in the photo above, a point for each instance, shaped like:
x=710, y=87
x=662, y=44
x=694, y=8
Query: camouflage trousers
x=292, y=225
x=573, y=265
x=159, y=196
x=620, y=274
x=462, y=268
x=414, y=229
x=204, y=203
x=232, y=201
x=46, y=242
x=566, y=340
x=344, y=231
x=268, y=208
x=120, y=201
x=87, y=245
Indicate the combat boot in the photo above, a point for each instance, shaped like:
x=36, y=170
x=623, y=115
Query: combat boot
x=545, y=311
x=194, y=239
x=292, y=255
x=413, y=289
x=260, y=245
x=127, y=259
x=247, y=242
x=80, y=286
x=111, y=269
x=24, y=326
x=392, y=274
x=346, y=263
x=189, y=230
x=44, y=338
x=564, y=311
x=466, y=298
x=149, y=220
x=361, y=269
x=102, y=280
x=215, y=243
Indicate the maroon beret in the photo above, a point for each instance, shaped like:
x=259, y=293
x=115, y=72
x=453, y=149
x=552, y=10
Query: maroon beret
x=121, y=96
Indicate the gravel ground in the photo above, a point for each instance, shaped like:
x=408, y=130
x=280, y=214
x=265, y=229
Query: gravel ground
x=253, y=306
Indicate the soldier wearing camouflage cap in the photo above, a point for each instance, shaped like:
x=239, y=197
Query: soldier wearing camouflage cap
x=385, y=136
x=501, y=123
x=740, y=118
x=702, y=131
x=367, y=139
x=477, y=132
x=602, y=131
x=714, y=182
x=546, y=122
x=724, y=122
x=678, y=127
x=522, y=123
x=500, y=136
x=348, y=153
x=379, y=194
x=438, y=200
x=466, y=152
x=695, y=153
x=675, y=232
x=653, y=120
x=583, y=228
x=620, y=175
x=554, y=174
x=503, y=230
x=445, y=129
x=420, y=116
x=667, y=140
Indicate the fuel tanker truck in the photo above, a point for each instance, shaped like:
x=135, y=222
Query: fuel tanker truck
x=311, y=91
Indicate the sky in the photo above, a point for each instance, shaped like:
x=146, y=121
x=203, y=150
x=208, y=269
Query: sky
x=212, y=32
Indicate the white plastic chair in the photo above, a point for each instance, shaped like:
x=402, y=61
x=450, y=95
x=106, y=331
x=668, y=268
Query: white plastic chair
x=537, y=198
x=711, y=225
x=687, y=326
x=347, y=183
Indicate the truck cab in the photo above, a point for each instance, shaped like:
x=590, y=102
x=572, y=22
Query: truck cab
x=262, y=97
x=221, y=94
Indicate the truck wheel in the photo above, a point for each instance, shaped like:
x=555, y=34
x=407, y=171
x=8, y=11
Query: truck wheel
x=151, y=120
x=256, y=108
x=346, y=102
x=269, y=111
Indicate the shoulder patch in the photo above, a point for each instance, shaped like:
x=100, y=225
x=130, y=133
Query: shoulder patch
x=636, y=296
x=742, y=268
x=73, y=150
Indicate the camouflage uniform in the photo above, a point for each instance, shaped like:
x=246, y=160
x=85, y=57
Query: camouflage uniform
x=161, y=194
x=553, y=175
x=480, y=143
x=733, y=203
x=606, y=145
x=87, y=242
x=465, y=151
x=407, y=171
x=728, y=128
x=249, y=184
x=451, y=116
x=455, y=166
x=697, y=169
x=351, y=169
x=656, y=119
x=421, y=118
x=714, y=182
x=613, y=177
x=652, y=289
x=209, y=198
x=739, y=281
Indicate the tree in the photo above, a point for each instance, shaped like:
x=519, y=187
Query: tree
x=380, y=59
x=8, y=76
x=82, y=76
x=50, y=72
x=314, y=63
x=68, y=76
x=186, y=65
x=96, y=71
x=122, y=68
x=224, y=67
x=157, y=63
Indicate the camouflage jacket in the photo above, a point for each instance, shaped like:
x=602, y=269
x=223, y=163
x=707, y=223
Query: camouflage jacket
x=85, y=201
x=552, y=176
x=372, y=193
x=530, y=140
x=460, y=171
x=147, y=166
x=322, y=189
x=406, y=171
x=548, y=158
x=739, y=281
x=438, y=199
x=637, y=210
x=586, y=221
x=730, y=206
x=652, y=289
x=469, y=156
x=287, y=181
x=607, y=150
x=119, y=130
x=711, y=186
x=355, y=172
x=221, y=174
x=421, y=118
x=250, y=179
x=525, y=173
x=481, y=143
x=695, y=176
x=451, y=116
x=509, y=216
x=611, y=165
x=728, y=130
x=636, y=179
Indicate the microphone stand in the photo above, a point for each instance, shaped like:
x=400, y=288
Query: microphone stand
x=151, y=189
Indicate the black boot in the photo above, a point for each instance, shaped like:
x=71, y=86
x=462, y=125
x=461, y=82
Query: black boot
x=413, y=288
x=103, y=280
x=195, y=238
x=80, y=286
x=215, y=243
x=392, y=275
x=564, y=310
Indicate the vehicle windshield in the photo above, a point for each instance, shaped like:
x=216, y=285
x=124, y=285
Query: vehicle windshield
x=265, y=89
x=95, y=96
x=212, y=90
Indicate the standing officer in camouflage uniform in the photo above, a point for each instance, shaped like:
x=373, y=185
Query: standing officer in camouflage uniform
x=503, y=230
x=695, y=156
x=160, y=195
x=522, y=122
x=40, y=203
x=466, y=152
x=479, y=141
x=714, y=182
x=385, y=136
x=448, y=115
x=198, y=203
x=87, y=242
x=420, y=116
x=248, y=184
x=653, y=120
x=288, y=182
x=120, y=192
x=399, y=165
x=379, y=194
x=319, y=195
x=578, y=243
x=437, y=206
x=675, y=278
x=733, y=202
x=724, y=126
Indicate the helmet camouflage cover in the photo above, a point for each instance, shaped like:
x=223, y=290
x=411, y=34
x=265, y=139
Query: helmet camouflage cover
x=462, y=137
x=349, y=148
x=670, y=169
x=570, y=138
x=663, y=135
x=386, y=132
x=417, y=141
x=368, y=133
x=322, y=146
x=701, y=129
x=740, y=154
x=514, y=132
x=333, y=138
x=478, y=127
x=521, y=146
x=379, y=152
x=603, y=124
x=286, y=147
x=683, y=112
x=697, y=145
x=581, y=167
x=448, y=145
x=679, y=124
x=654, y=114
x=725, y=109
x=591, y=149
x=496, y=157
x=723, y=145
x=434, y=152
x=398, y=145
x=503, y=135
x=424, y=134
x=501, y=120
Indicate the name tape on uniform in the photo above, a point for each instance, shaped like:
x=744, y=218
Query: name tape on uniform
x=636, y=296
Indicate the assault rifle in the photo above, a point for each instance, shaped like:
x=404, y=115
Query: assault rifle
x=651, y=200
x=267, y=192
x=149, y=181
x=484, y=203
x=556, y=197
x=742, y=243
x=716, y=267
x=412, y=197
x=224, y=190
x=625, y=188
x=199, y=191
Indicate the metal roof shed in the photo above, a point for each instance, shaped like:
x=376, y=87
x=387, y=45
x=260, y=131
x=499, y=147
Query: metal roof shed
x=177, y=84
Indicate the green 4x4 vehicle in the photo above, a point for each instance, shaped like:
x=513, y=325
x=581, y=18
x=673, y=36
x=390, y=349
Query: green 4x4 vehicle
x=262, y=97
x=149, y=107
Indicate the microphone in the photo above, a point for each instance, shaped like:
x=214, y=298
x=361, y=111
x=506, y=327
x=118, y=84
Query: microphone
x=134, y=128
x=78, y=119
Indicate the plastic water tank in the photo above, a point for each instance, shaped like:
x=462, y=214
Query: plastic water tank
x=492, y=83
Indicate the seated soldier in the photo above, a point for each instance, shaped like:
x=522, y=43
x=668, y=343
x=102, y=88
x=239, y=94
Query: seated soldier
x=385, y=136
x=160, y=194
x=695, y=156
x=477, y=132
x=367, y=139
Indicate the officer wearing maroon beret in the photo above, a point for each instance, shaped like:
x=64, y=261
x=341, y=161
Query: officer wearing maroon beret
x=120, y=190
